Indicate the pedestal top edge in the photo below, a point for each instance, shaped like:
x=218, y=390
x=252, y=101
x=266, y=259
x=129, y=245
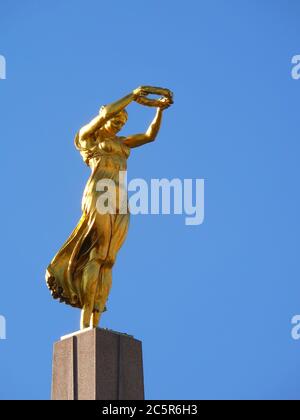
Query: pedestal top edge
x=76, y=333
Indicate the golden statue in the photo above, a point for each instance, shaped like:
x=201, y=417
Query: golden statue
x=81, y=272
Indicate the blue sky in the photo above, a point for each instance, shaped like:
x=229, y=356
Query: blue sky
x=211, y=303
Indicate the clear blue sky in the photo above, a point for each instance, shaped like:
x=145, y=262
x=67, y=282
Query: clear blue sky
x=212, y=304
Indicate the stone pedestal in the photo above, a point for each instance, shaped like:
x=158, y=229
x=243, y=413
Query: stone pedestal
x=97, y=364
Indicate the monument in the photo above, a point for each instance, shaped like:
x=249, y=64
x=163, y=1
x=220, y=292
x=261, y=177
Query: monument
x=96, y=363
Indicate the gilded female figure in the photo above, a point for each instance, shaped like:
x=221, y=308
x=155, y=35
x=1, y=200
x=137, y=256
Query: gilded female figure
x=81, y=272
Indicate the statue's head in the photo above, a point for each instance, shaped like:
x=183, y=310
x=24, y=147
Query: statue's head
x=116, y=123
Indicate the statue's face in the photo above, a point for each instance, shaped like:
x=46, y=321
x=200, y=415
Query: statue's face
x=115, y=124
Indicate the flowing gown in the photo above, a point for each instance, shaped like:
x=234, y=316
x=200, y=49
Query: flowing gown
x=103, y=234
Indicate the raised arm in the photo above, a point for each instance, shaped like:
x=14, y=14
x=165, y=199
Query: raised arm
x=108, y=111
x=137, y=140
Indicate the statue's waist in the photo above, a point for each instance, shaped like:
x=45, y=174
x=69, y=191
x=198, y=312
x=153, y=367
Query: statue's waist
x=116, y=163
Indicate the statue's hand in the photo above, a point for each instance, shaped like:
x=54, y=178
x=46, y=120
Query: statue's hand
x=164, y=103
x=140, y=92
x=169, y=95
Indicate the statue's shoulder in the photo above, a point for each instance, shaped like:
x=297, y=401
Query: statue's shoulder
x=87, y=142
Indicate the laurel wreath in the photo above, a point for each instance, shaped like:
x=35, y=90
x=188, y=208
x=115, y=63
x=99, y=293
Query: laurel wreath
x=166, y=98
